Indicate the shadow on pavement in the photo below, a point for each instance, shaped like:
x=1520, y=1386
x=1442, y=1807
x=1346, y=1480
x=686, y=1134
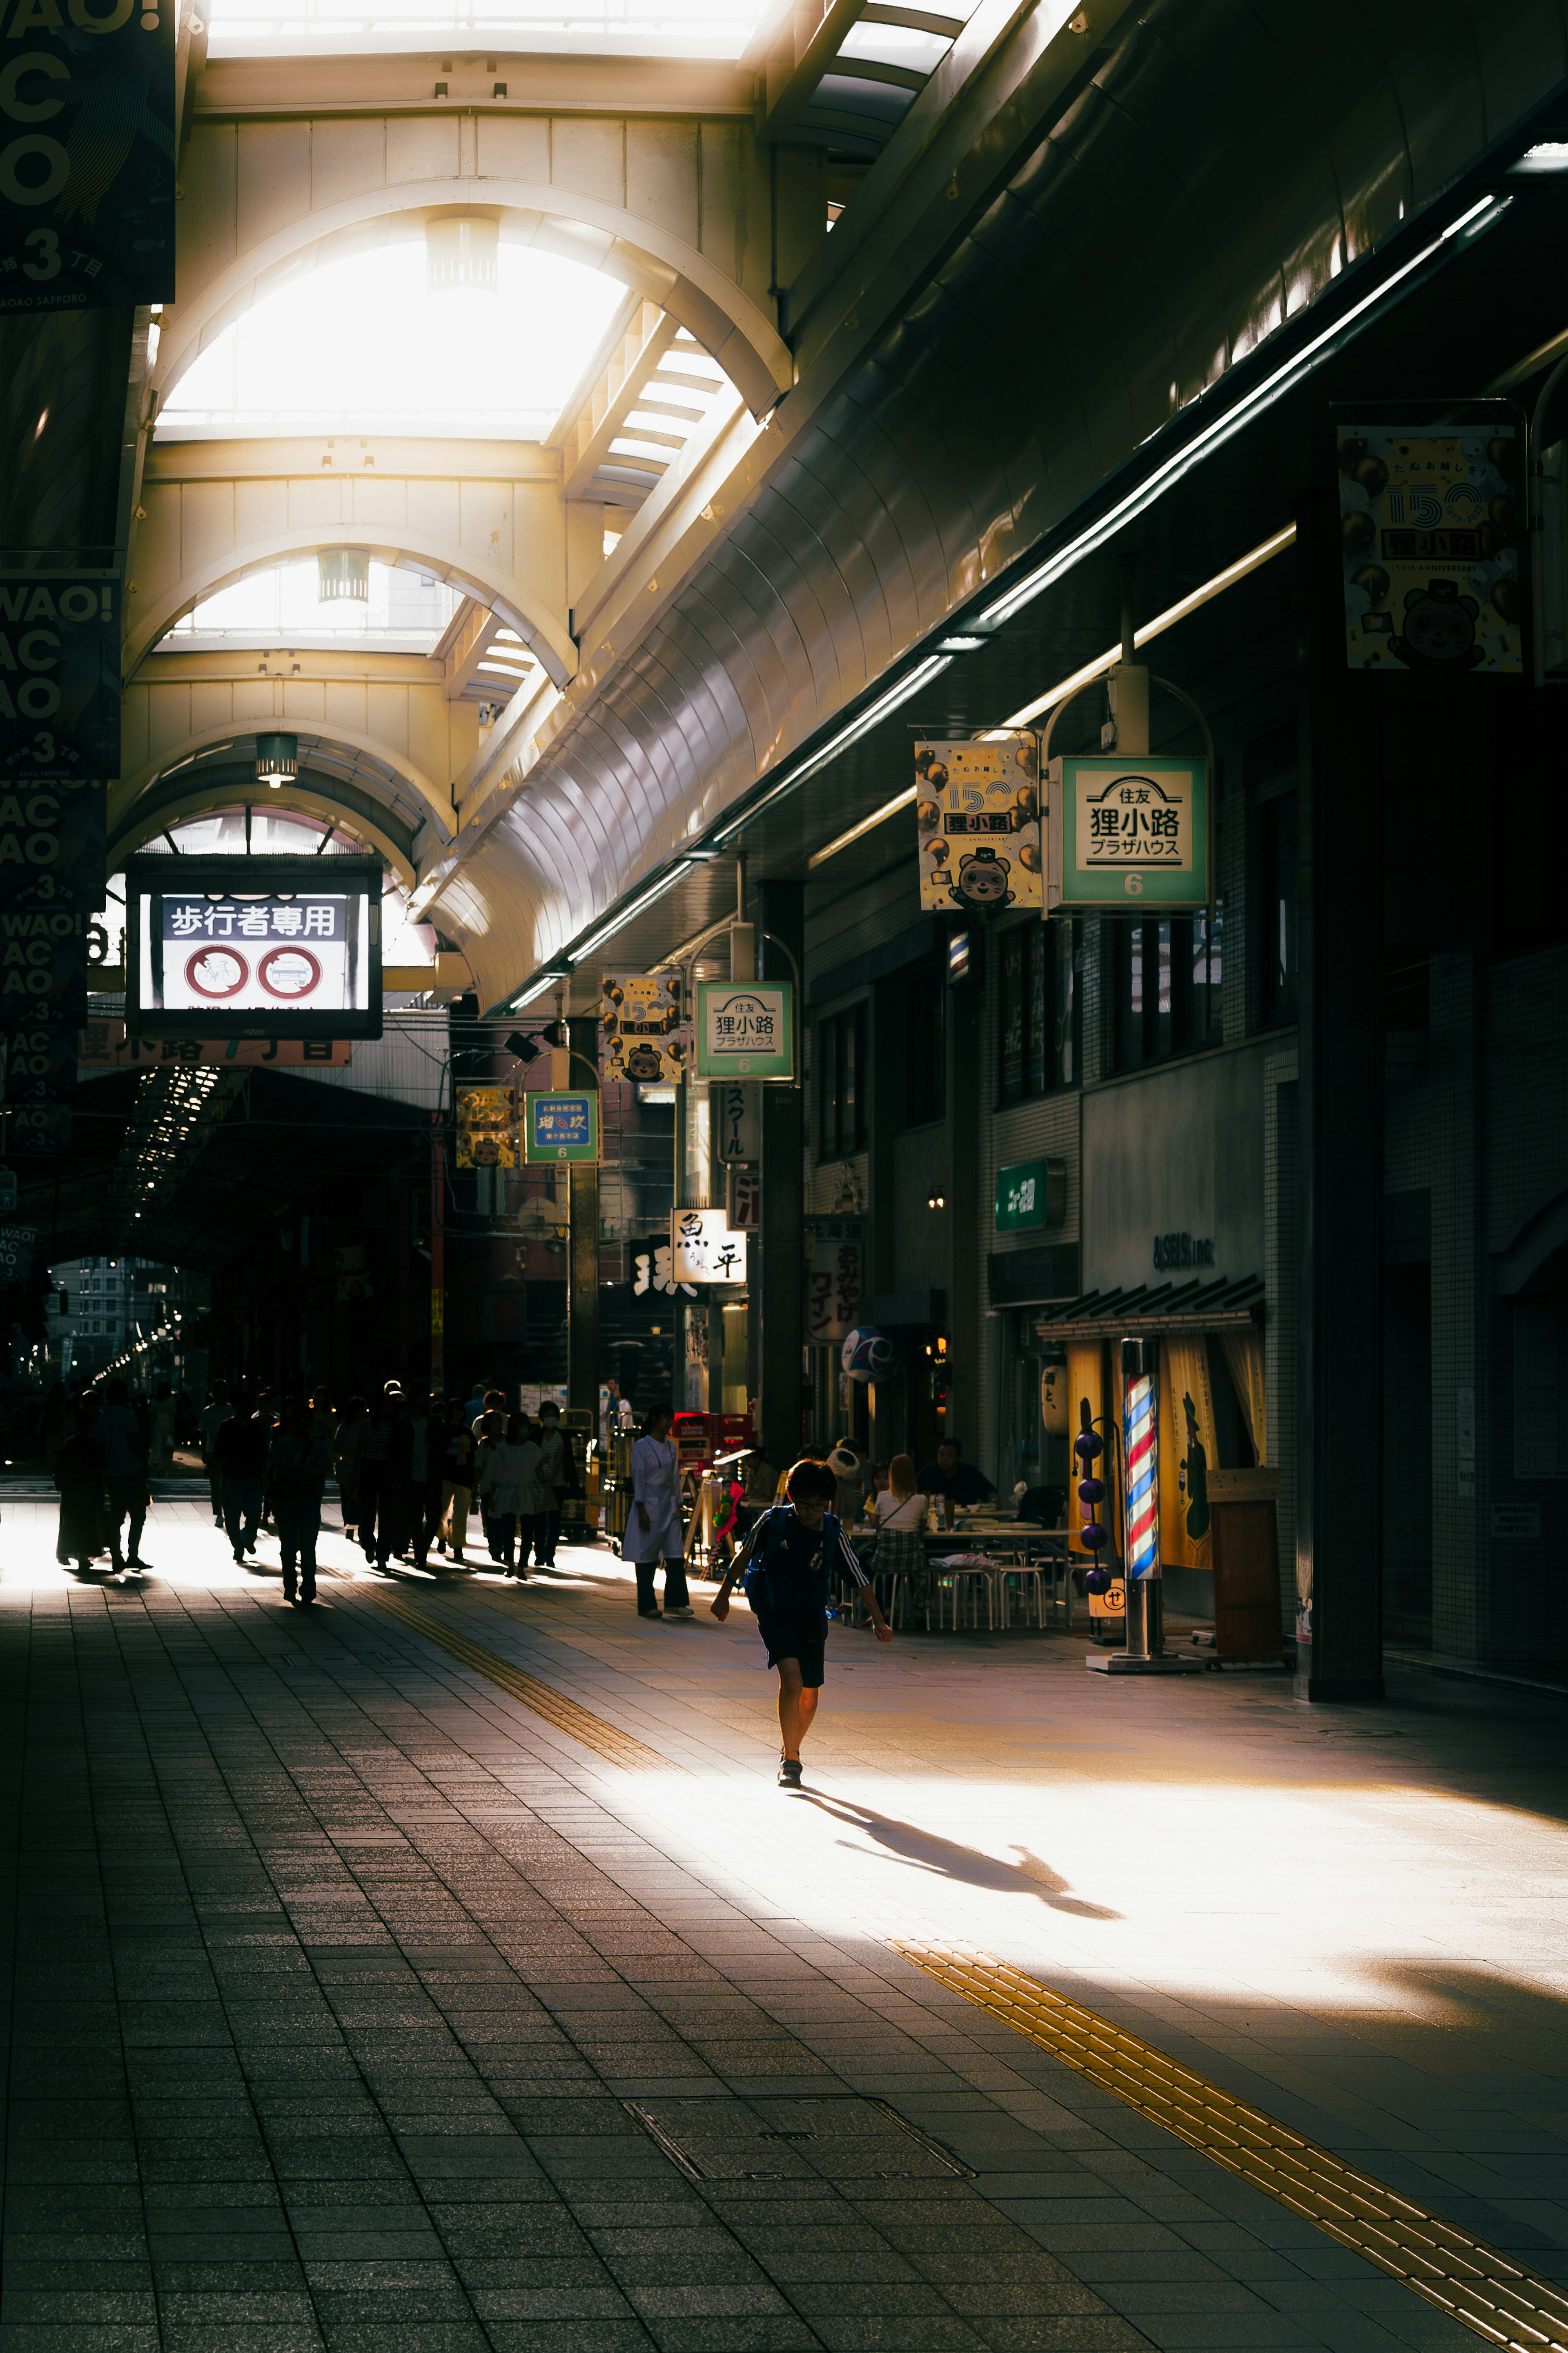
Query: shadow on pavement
x=945, y=1859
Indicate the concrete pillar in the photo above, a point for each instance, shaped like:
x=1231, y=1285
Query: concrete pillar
x=1459, y=1313
x=781, y=922
x=1339, y=1530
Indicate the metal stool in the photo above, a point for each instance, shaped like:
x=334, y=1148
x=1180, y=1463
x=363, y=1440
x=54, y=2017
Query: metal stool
x=955, y=1571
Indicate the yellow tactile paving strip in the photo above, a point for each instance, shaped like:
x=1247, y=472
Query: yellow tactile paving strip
x=1473, y=2283
x=590, y=1731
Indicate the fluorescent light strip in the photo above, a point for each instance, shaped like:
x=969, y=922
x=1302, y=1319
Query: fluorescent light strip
x=536, y=989
x=618, y=920
x=866, y=825
x=931, y=667
x=1213, y=437
x=1263, y=553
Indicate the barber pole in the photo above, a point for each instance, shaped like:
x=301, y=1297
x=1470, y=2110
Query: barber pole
x=1145, y=1653
x=1140, y=1452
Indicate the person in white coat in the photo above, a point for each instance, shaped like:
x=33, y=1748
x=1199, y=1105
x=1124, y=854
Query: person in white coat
x=653, y=1532
x=513, y=1493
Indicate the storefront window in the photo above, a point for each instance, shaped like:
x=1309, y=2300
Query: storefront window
x=1038, y=1044
x=1165, y=988
x=925, y=1047
x=841, y=1087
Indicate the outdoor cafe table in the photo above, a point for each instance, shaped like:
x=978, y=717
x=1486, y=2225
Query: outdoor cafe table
x=1012, y=1543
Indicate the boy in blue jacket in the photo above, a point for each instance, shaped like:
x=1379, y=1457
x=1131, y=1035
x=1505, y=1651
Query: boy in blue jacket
x=785, y=1565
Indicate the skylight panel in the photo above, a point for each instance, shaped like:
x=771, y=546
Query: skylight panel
x=693, y=28
x=367, y=347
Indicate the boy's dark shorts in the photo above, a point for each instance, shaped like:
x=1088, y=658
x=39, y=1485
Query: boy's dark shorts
x=798, y=1634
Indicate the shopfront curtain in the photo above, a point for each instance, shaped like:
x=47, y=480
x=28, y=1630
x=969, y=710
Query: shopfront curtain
x=1085, y=1378
x=1186, y=1450
x=1244, y=1361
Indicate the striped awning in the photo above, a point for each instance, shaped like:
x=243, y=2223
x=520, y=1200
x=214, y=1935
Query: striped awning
x=1154, y=1308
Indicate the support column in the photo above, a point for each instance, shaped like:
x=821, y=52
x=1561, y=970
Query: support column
x=1339, y=1532
x=781, y=926
x=439, y=1255
x=583, y=1261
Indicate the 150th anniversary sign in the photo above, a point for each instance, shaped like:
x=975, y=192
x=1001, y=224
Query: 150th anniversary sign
x=86, y=153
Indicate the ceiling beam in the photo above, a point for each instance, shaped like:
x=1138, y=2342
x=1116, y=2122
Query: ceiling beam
x=468, y=637
x=649, y=336
x=789, y=83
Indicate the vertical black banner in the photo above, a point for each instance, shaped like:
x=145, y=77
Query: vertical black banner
x=86, y=153
x=59, y=746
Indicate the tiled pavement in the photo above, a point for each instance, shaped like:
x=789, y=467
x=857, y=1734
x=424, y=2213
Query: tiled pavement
x=346, y=1989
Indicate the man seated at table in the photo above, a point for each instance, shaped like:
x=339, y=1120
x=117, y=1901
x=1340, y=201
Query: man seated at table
x=950, y=1480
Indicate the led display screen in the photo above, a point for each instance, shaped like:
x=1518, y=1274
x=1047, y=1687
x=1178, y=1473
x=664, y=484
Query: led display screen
x=254, y=947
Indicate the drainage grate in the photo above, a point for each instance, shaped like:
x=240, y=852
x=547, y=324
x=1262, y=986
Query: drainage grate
x=837, y=2136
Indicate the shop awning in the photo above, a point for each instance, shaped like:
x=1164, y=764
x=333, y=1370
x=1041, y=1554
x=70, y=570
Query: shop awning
x=1156, y=1308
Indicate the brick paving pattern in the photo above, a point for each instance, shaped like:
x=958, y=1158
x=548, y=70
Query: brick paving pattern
x=354, y=2005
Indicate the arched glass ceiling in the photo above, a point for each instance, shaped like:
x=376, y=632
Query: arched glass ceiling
x=406, y=612
x=692, y=29
x=362, y=345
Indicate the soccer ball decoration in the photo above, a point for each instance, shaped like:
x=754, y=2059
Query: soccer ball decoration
x=868, y=1354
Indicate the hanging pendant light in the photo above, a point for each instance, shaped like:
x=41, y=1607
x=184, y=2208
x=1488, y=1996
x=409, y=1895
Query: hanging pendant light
x=277, y=759
x=342, y=573
x=461, y=249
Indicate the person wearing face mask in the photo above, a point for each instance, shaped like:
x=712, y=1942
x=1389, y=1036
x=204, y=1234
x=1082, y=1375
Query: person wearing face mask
x=785, y=1564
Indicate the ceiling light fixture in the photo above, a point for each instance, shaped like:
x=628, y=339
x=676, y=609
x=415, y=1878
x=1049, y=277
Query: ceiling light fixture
x=1263, y=552
x=623, y=915
x=921, y=675
x=1471, y=222
x=277, y=759
x=342, y=574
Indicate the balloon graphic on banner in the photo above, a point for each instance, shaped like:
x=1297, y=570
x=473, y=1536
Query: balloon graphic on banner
x=868, y=1354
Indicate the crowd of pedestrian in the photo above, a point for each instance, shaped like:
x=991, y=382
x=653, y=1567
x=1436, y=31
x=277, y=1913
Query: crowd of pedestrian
x=413, y=1474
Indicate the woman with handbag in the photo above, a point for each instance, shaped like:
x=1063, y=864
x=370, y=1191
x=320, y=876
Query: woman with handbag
x=900, y=1512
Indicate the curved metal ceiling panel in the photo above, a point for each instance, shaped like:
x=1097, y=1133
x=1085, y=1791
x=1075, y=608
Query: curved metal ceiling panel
x=1209, y=184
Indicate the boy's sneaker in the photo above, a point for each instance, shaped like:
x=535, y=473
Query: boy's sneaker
x=789, y=1772
x=682, y=1612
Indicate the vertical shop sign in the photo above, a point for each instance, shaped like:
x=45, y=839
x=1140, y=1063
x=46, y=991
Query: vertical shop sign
x=977, y=820
x=736, y=1122
x=832, y=1277
x=1430, y=539
x=645, y=1037
x=743, y=1198
x=87, y=155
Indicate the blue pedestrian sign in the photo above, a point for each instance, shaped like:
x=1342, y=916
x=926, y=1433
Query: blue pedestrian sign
x=560, y=1127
